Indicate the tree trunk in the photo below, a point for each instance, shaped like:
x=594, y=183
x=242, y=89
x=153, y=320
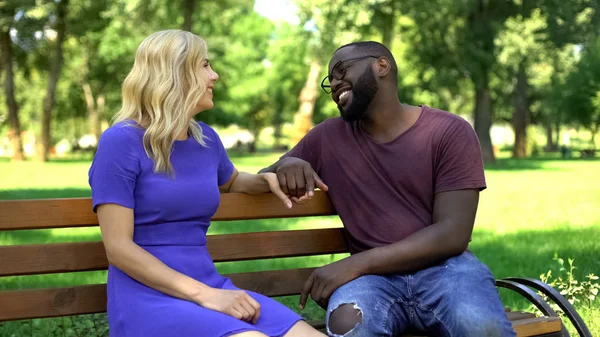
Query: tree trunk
x=388, y=25
x=277, y=121
x=308, y=96
x=550, y=144
x=55, y=68
x=94, y=112
x=483, y=122
x=481, y=39
x=99, y=112
x=189, y=7
x=14, y=131
x=519, y=118
x=557, y=129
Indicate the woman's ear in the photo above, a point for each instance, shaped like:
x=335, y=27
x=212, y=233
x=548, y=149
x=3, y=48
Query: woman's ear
x=383, y=66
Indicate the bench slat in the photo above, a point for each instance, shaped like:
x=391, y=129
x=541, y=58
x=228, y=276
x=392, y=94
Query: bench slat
x=89, y=299
x=77, y=212
x=537, y=326
x=86, y=256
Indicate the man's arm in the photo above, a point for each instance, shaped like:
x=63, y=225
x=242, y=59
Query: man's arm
x=449, y=235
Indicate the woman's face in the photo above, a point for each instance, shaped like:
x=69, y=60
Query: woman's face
x=206, y=74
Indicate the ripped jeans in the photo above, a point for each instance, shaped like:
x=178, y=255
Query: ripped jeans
x=456, y=298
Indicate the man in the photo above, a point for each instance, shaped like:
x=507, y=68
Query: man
x=405, y=181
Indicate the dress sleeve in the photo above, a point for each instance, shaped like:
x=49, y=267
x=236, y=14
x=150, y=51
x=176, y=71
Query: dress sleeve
x=225, y=166
x=115, y=168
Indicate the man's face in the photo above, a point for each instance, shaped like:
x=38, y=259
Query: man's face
x=353, y=83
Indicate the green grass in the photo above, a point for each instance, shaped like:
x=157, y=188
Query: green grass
x=531, y=210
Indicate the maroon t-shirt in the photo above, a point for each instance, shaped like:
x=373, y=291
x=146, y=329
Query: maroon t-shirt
x=384, y=192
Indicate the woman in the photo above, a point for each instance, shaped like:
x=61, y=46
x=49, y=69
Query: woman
x=155, y=182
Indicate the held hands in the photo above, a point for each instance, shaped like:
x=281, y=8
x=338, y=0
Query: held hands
x=235, y=303
x=327, y=279
x=297, y=179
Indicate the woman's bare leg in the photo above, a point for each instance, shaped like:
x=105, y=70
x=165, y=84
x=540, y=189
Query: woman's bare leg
x=303, y=329
x=249, y=334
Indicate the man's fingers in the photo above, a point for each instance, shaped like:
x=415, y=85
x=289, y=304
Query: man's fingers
x=291, y=184
x=306, y=289
x=310, y=183
x=300, y=184
x=320, y=184
x=282, y=182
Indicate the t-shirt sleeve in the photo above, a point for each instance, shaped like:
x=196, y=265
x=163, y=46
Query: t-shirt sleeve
x=459, y=160
x=225, y=166
x=115, y=168
x=309, y=148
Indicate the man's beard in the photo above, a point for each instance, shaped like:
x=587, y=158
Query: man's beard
x=363, y=93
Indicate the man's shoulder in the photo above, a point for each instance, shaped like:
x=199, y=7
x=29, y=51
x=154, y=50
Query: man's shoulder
x=330, y=127
x=443, y=117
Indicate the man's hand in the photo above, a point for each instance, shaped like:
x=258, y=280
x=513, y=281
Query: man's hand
x=298, y=179
x=325, y=280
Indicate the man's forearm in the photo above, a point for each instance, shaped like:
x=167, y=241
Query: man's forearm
x=423, y=249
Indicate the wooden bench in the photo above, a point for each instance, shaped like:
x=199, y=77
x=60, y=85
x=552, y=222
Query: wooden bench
x=90, y=256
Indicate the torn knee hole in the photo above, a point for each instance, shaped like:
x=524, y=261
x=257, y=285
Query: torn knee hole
x=345, y=318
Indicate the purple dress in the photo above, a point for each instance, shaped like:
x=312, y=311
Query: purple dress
x=171, y=218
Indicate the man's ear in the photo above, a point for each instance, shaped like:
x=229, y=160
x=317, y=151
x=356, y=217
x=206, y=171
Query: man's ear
x=383, y=66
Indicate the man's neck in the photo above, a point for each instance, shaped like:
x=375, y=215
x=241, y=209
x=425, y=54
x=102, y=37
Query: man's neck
x=388, y=118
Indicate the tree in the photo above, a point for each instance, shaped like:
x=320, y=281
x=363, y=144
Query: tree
x=60, y=27
x=456, y=38
x=14, y=18
x=582, y=91
x=7, y=13
x=522, y=46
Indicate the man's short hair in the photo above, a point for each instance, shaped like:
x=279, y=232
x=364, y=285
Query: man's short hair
x=376, y=49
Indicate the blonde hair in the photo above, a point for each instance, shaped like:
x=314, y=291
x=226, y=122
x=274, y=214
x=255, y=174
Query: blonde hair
x=161, y=89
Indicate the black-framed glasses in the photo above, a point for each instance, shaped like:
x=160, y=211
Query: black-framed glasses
x=338, y=72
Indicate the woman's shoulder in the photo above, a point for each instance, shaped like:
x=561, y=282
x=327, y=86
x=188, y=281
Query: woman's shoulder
x=122, y=134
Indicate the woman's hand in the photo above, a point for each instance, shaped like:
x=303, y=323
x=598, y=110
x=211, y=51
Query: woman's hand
x=235, y=303
x=271, y=179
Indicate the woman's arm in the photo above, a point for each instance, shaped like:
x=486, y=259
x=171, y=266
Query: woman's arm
x=116, y=225
x=249, y=183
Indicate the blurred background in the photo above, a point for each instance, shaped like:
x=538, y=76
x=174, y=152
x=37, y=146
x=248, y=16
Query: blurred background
x=525, y=73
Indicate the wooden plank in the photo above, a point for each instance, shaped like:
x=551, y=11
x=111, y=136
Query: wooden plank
x=237, y=206
x=46, y=213
x=287, y=243
x=52, y=258
x=273, y=283
x=40, y=303
x=85, y=256
x=537, y=326
x=77, y=212
x=517, y=315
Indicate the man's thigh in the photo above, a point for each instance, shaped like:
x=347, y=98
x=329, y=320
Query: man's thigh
x=378, y=303
x=458, y=298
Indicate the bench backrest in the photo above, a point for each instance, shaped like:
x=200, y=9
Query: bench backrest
x=89, y=256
